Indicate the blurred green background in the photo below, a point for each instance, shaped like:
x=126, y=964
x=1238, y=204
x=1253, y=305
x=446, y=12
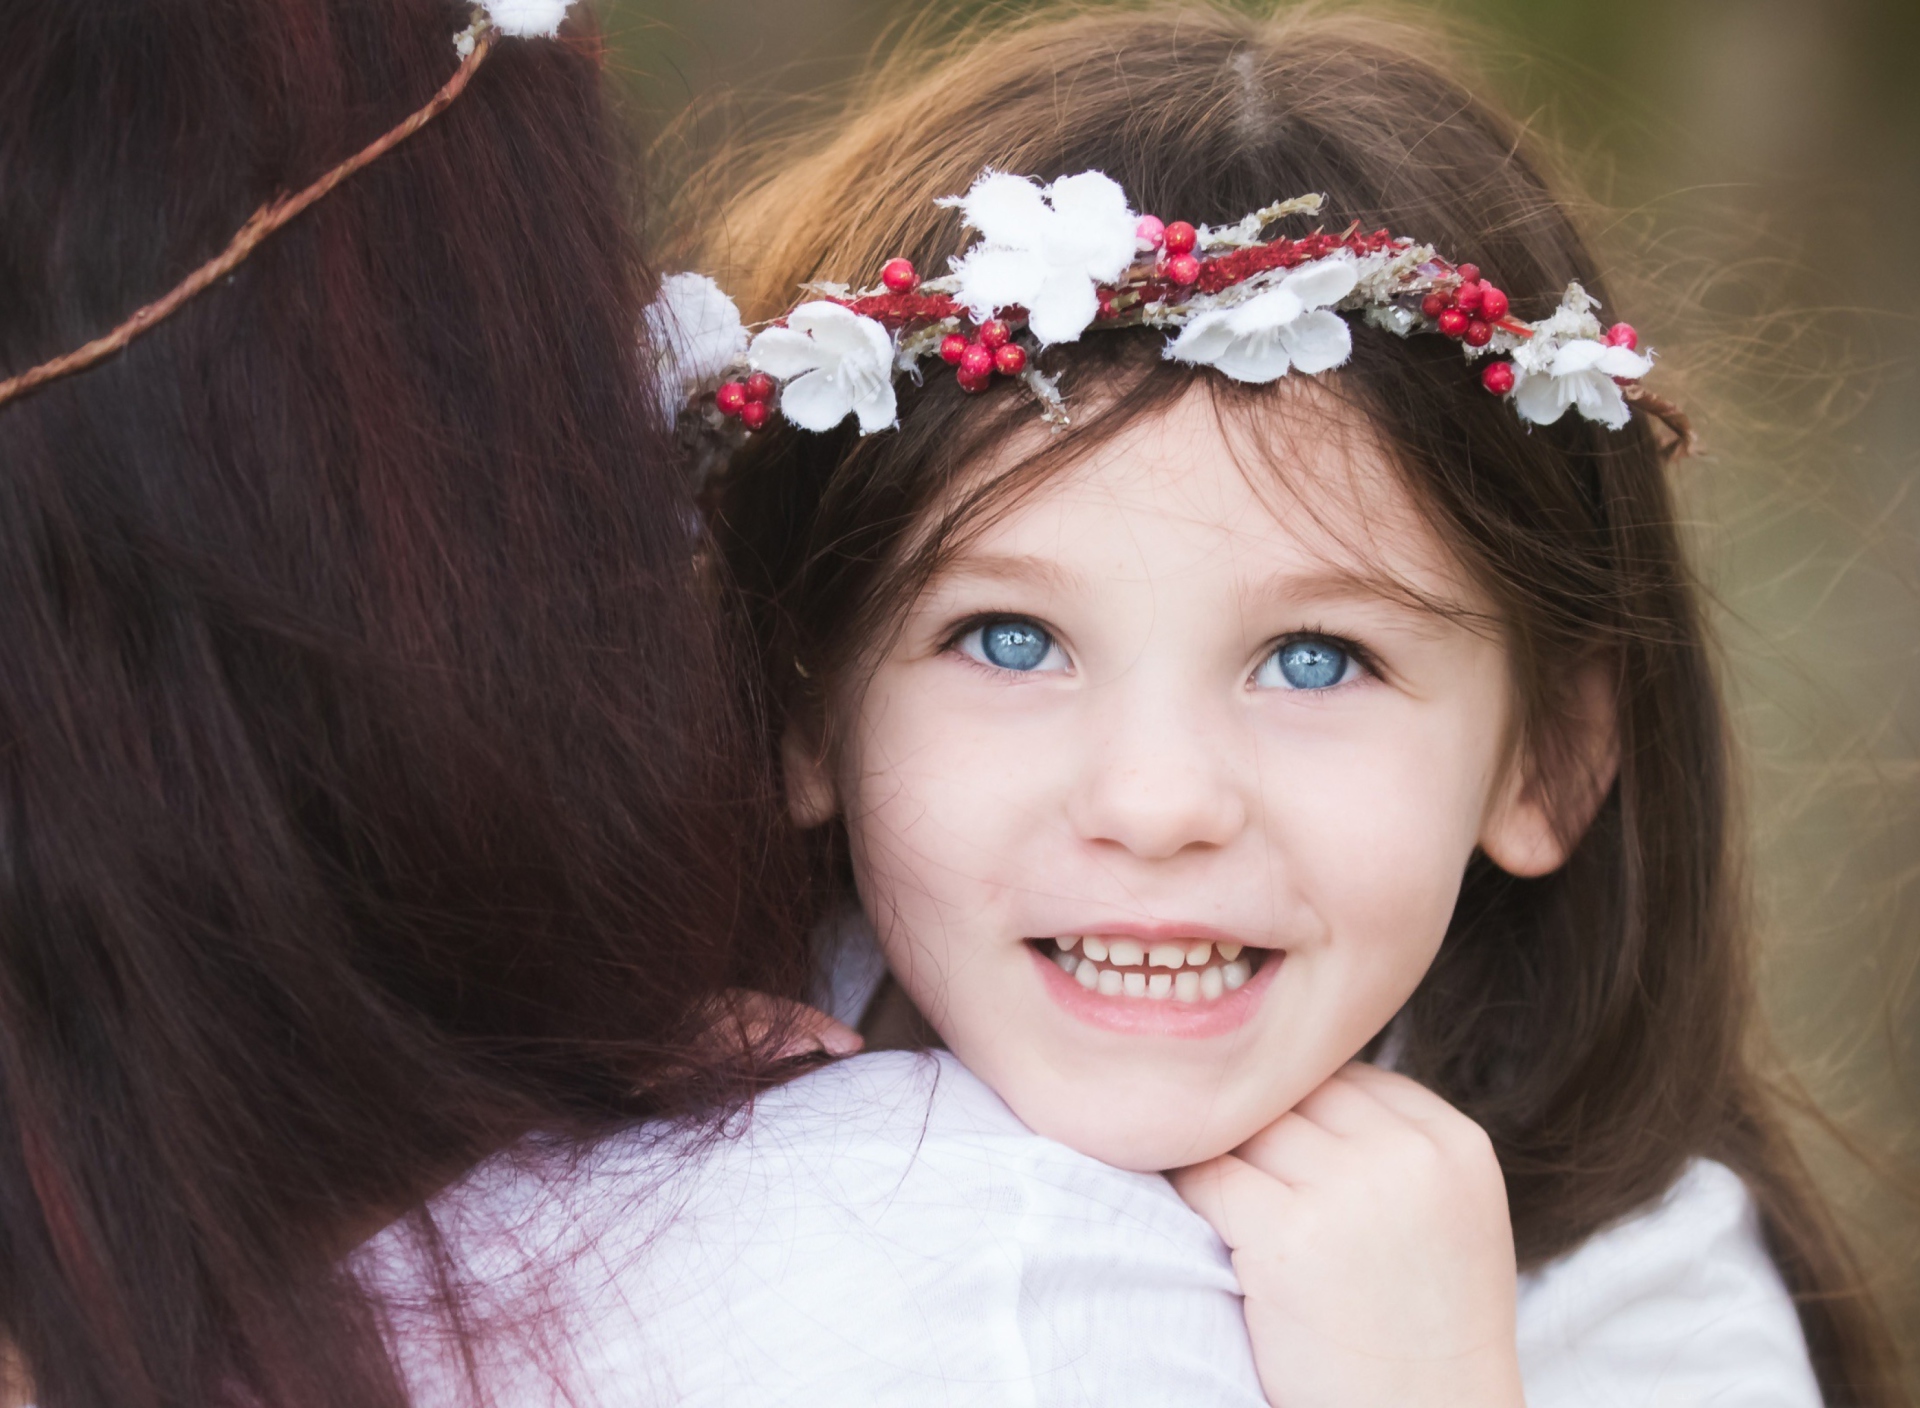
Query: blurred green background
x=1759, y=162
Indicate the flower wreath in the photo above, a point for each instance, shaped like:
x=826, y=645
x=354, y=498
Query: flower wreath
x=1054, y=262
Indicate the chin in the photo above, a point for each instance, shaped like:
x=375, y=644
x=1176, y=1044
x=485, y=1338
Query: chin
x=1148, y=1138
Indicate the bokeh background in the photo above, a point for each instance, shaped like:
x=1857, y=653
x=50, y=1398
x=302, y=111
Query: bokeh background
x=1757, y=165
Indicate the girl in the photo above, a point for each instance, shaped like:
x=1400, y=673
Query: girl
x=1188, y=725
x=370, y=793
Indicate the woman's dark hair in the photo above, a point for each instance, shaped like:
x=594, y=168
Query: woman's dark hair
x=1598, y=1022
x=370, y=786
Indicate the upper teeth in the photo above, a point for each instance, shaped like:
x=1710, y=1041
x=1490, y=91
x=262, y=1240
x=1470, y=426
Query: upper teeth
x=1098, y=962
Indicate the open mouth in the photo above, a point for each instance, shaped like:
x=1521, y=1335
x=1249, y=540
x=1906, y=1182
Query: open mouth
x=1168, y=970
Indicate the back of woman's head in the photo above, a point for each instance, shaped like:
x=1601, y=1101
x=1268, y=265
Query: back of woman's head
x=368, y=791
x=1594, y=1021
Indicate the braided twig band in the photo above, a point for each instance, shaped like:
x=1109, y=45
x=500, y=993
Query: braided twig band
x=263, y=222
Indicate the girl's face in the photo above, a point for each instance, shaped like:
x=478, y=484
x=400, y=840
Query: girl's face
x=1160, y=800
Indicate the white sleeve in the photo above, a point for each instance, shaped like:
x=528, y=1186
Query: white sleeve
x=1675, y=1307
x=882, y=1231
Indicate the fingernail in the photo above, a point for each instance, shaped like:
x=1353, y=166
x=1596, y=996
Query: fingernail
x=842, y=1041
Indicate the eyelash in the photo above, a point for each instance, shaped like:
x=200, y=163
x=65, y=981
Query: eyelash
x=1358, y=653
x=966, y=626
x=1362, y=657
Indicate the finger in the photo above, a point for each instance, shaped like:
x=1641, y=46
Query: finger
x=1292, y=1149
x=1237, y=1199
x=1346, y=1107
x=813, y=1030
x=756, y=1019
x=1405, y=1096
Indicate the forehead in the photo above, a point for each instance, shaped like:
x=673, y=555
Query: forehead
x=1297, y=483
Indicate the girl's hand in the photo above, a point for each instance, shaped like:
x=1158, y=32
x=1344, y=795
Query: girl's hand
x=1370, y=1233
x=744, y=1020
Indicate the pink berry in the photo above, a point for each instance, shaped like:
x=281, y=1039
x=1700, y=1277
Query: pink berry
x=1182, y=268
x=976, y=361
x=995, y=333
x=1469, y=273
x=1497, y=377
x=730, y=398
x=1149, y=233
x=1467, y=297
x=1479, y=332
x=1453, y=322
x=1623, y=335
x=1180, y=238
x=898, y=275
x=1434, y=304
x=759, y=388
x=1493, y=303
x=952, y=347
x=754, y=414
x=1009, y=359
x=974, y=384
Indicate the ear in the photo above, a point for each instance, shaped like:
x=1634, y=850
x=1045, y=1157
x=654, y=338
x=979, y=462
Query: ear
x=1548, y=798
x=812, y=799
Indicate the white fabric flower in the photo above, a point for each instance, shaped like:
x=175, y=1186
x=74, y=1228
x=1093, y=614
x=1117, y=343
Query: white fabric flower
x=832, y=361
x=1290, y=326
x=526, y=18
x=1044, y=250
x=1579, y=375
x=696, y=334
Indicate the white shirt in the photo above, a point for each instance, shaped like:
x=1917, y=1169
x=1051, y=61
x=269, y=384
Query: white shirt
x=885, y=1231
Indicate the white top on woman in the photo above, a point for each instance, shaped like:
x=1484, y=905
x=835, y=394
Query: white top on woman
x=885, y=1231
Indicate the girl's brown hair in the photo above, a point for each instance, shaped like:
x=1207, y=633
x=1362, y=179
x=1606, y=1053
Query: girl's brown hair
x=1598, y=1022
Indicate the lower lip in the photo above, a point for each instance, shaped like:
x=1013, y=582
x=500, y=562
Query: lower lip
x=1146, y=1016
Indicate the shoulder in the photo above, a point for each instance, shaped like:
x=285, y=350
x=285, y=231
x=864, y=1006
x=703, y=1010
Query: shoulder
x=1679, y=1304
x=880, y=1230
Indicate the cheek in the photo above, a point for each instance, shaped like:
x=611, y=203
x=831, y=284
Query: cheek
x=939, y=816
x=1375, y=831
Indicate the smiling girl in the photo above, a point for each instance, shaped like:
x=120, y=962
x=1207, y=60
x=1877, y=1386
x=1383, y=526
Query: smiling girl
x=1200, y=695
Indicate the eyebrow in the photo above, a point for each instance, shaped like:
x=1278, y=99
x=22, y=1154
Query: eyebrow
x=1009, y=567
x=1328, y=585
x=1337, y=584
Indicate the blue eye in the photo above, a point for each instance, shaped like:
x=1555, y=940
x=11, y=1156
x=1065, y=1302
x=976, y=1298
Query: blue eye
x=1309, y=663
x=1017, y=645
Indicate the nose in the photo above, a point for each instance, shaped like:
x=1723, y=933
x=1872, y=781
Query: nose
x=1160, y=779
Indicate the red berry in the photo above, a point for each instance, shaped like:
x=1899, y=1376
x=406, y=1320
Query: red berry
x=1150, y=233
x=730, y=398
x=995, y=333
x=1497, y=377
x=1467, y=297
x=759, y=388
x=1434, y=304
x=1623, y=335
x=754, y=414
x=898, y=275
x=1479, y=332
x=1453, y=322
x=952, y=346
x=1009, y=359
x=974, y=383
x=1180, y=238
x=1468, y=273
x=1182, y=268
x=1493, y=303
x=977, y=361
